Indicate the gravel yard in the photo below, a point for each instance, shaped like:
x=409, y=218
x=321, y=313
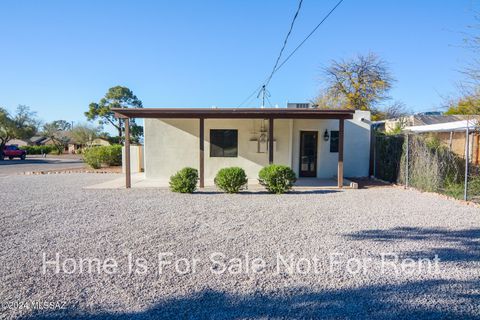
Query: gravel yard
x=326, y=254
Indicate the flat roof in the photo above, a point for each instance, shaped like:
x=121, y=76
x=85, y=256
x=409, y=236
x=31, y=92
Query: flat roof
x=454, y=126
x=228, y=113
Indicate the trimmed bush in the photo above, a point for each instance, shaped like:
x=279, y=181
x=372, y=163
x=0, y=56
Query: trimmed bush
x=277, y=178
x=96, y=157
x=113, y=155
x=184, y=181
x=39, y=149
x=231, y=180
x=93, y=157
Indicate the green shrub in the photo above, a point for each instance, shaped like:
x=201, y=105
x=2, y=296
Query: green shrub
x=474, y=189
x=103, y=155
x=39, y=149
x=93, y=157
x=184, y=181
x=231, y=180
x=277, y=178
x=113, y=155
x=454, y=190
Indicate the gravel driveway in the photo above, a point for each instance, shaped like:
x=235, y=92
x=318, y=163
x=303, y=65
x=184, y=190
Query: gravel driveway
x=378, y=229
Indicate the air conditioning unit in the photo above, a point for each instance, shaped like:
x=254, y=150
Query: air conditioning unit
x=299, y=105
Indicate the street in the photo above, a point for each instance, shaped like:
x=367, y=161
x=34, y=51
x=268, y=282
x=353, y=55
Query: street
x=37, y=163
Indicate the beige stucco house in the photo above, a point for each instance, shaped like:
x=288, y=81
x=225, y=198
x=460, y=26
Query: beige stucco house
x=314, y=143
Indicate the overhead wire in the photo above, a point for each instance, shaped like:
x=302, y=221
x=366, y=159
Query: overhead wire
x=279, y=66
x=285, y=41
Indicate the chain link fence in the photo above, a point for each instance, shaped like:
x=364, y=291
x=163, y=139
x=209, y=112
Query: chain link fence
x=426, y=162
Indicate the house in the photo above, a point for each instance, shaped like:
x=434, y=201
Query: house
x=18, y=143
x=313, y=142
x=420, y=119
x=454, y=134
x=38, y=140
x=74, y=146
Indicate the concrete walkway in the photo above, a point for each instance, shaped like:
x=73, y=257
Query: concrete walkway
x=140, y=182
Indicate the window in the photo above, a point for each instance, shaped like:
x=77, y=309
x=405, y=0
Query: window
x=223, y=143
x=333, y=141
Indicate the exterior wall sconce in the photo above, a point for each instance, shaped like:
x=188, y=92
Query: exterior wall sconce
x=326, y=136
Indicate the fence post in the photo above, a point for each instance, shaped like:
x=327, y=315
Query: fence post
x=467, y=155
x=375, y=156
x=406, y=161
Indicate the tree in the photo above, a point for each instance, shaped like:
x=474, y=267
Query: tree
x=326, y=100
x=54, y=131
x=393, y=111
x=116, y=97
x=472, y=43
x=358, y=84
x=84, y=134
x=22, y=125
x=469, y=104
x=62, y=125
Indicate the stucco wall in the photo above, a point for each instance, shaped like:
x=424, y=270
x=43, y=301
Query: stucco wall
x=356, y=147
x=251, y=162
x=136, y=159
x=171, y=144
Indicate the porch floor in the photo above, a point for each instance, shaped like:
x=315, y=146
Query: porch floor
x=140, y=182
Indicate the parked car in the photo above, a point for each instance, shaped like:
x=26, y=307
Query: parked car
x=14, y=152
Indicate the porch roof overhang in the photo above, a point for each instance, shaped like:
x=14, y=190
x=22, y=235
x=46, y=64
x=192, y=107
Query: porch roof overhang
x=232, y=113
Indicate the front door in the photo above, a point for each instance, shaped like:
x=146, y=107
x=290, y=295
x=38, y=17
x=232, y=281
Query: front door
x=308, y=153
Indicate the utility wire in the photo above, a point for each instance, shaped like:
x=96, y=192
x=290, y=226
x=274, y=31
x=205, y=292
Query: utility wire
x=309, y=35
x=266, y=81
x=285, y=41
x=268, y=100
x=291, y=54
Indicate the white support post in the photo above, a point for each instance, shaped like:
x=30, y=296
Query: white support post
x=407, y=157
x=467, y=155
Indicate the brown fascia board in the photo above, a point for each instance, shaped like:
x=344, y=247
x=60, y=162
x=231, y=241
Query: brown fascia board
x=232, y=113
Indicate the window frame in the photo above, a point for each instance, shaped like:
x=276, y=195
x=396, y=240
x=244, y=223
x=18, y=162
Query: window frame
x=334, y=148
x=223, y=145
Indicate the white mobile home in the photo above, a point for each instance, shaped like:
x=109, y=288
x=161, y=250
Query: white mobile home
x=313, y=142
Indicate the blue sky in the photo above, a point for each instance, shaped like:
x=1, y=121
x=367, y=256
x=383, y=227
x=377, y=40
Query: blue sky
x=58, y=56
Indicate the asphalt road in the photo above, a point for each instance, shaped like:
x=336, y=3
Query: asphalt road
x=33, y=164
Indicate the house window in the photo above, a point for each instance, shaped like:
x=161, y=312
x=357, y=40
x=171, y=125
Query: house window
x=223, y=143
x=333, y=141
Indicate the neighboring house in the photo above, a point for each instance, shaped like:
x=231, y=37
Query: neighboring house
x=38, y=141
x=18, y=143
x=73, y=146
x=421, y=119
x=41, y=141
x=100, y=142
x=313, y=142
x=453, y=134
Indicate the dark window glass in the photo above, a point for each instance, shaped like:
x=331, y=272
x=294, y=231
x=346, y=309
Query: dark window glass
x=223, y=143
x=333, y=141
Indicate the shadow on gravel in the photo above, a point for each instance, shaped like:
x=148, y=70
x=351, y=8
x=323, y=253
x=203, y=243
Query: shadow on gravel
x=263, y=192
x=430, y=299
x=455, y=245
x=322, y=191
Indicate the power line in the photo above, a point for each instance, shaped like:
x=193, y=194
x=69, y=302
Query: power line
x=285, y=41
x=309, y=35
x=261, y=86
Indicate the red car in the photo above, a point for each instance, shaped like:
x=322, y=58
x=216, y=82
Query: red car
x=13, y=152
